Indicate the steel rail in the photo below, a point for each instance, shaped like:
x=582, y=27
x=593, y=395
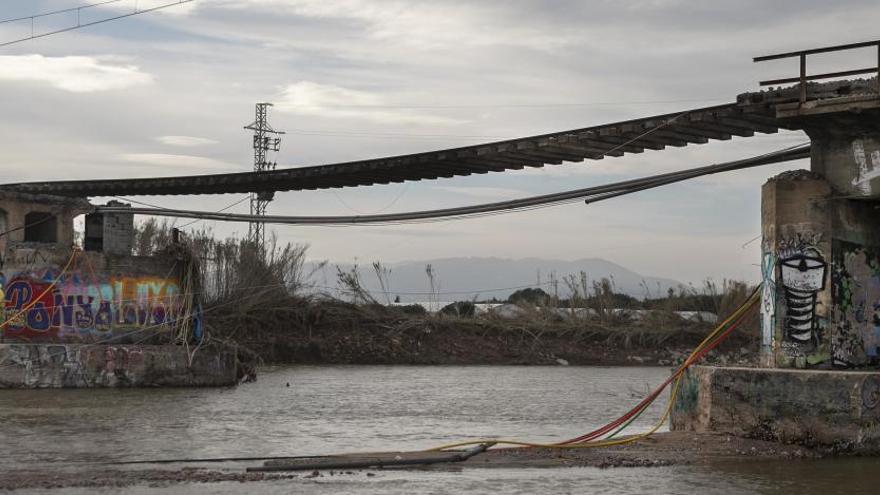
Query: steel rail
x=574, y=145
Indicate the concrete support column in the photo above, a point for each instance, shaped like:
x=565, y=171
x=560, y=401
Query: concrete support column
x=846, y=146
x=855, y=283
x=796, y=302
x=821, y=252
x=821, y=294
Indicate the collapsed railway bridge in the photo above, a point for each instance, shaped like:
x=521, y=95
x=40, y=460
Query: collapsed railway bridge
x=752, y=113
x=820, y=299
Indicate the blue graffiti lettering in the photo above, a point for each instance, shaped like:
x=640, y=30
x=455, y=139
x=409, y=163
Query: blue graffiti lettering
x=38, y=317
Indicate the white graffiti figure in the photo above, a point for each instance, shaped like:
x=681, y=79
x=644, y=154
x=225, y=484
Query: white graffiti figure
x=803, y=276
x=866, y=172
x=768, y=299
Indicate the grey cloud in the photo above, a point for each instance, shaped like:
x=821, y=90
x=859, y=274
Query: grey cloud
x=213, y=64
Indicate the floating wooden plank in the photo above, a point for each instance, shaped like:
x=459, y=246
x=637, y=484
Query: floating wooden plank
x=377, y=460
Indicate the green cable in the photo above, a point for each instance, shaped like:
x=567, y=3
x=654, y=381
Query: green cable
x=625, y=425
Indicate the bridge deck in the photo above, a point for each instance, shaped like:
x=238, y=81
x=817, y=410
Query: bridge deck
x=696, y=126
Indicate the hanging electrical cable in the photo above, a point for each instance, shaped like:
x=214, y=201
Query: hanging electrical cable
x=60, y=11
x=611, y=429
x=592, y=194
x=79, y=24
x=710, y=342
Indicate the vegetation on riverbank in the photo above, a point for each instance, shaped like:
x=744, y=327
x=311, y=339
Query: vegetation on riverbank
x=263, y=304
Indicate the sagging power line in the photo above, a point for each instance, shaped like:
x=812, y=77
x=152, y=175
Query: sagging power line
x=589, y=195
x=60, y=11
x=79, y=22
x=422, y=106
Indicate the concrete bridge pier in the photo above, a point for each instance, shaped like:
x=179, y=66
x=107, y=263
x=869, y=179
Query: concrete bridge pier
x=821, y=250
x=820, y=306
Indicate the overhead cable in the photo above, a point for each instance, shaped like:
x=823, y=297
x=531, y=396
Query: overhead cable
x=589, y=194
x=80, y=24
x=511, y=105
x=332, y=133
x=60, y=11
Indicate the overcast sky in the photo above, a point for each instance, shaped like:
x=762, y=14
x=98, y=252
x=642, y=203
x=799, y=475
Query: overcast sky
x=167, y=93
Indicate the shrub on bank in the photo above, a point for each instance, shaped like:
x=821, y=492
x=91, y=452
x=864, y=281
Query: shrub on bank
x=464, y=309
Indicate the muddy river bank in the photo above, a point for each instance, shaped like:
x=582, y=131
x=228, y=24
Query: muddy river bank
x=65, y=439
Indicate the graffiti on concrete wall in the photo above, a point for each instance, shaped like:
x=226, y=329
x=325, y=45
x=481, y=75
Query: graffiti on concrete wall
x=875, y=352
x=870, y=393
x=855, y=338
x=866, y=170
x=802, y=274
x=768, y=299
x=81, y=307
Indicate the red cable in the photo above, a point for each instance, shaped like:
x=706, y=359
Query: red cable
x=650, y=398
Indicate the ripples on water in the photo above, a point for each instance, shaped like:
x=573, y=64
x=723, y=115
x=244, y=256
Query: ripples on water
x=333, y=409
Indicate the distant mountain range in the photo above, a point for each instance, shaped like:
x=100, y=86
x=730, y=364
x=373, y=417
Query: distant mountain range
x=485, y=278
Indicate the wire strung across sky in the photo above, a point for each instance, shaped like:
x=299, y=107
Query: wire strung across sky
x=60, y=11
x=231, y=205
x=357, y=134
x=79, y=24
x=418, y=106
x=589, y=195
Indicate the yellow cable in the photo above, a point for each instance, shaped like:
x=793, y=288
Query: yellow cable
x=675, y=387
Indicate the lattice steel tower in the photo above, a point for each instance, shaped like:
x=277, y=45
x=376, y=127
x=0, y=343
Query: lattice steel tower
x=264, y=142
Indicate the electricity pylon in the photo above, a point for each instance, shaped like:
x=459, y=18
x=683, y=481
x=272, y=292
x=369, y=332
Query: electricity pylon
x=264, y=142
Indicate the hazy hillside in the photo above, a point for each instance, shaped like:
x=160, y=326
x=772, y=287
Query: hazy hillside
x=473, y=277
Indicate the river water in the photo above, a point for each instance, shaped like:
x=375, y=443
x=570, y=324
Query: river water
x=332, y=409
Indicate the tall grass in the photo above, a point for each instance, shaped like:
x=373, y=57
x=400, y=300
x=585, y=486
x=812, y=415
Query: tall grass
x=271, y=290
x=233, y=270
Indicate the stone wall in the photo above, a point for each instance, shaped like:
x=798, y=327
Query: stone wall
x=831, y=408
x=103, y=295
x=15, y=207
x=118, y=234
x=73, y=318
x=110, y=233
x=99, y=299
x=90, y=366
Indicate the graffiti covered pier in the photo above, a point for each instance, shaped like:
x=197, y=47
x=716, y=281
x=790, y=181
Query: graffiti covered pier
x=78, y=306
x=52, y=292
